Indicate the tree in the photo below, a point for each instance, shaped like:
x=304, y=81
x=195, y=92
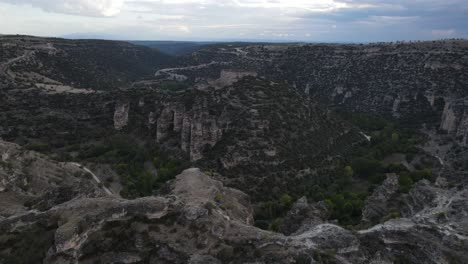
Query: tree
x=405, y=182
x=348, y=171
x=365, y=167
x=286, y=200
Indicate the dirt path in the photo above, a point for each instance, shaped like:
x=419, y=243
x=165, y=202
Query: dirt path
x=96, y=178
x=4, y=66
x=171, y=72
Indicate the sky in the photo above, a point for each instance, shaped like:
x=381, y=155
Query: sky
x=256, y=20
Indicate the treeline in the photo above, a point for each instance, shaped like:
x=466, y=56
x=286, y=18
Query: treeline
x=345, y=188
x=143, y=168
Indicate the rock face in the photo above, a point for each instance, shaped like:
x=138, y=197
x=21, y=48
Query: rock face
x=455, y=119
x=379, y=203
x=29, y=180
x=231, y=122
x=408, y=81
x=201, y=221
x=121, y=115
x=196, y=128
x=258, y=115
x=77, y=63
x=234, y=129
x=435, y=219
x=303, y=216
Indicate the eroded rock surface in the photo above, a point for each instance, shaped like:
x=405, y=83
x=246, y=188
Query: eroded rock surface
x=201, y=221
x=259, y=115
x=29, y=180
x=380, y=202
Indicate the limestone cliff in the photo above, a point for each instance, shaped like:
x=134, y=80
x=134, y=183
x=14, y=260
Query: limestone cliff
x=201, y=221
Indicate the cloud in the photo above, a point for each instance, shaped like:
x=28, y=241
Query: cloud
x=105, y=8
x=444, y=32
x=309, y=20
x=391, y=20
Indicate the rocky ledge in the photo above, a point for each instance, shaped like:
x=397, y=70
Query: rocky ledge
x=202, y=221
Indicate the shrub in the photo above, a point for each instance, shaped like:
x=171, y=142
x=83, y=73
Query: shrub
x=421, y=174
x=391, y=215
x=366, y=167
x=218, y=198
x=441, y=216
x=226, y=254
x=348, y=171
x=209, y=206
x=39, y=147
x=286, y=200
x=405, y=182
x=275, y=225
x=396, y=168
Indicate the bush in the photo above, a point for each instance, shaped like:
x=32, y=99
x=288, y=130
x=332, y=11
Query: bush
x=366, y=167
x=421, y=174
x=269, y=214
x=346, y=207
x=441, y=216
x=396, y=168
x=348, y=172
x=129, y=159
x=286, y=201
x=218, y=198
x=409, y=157
x=405, y=182
x=275, y=225
x=226, y=254
x=39, y=147
x=391, y=215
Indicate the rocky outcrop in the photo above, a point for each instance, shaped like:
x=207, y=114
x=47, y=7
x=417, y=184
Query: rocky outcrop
x=29, y=180
x=455, y=119
x=257, y=115
x=121, y=115
x=227, y=77
x=434, y=227
x=380, y=202
x=251, y=123
x=196, y=128
x=201, y=221
x=392, y=80
x=302, y=216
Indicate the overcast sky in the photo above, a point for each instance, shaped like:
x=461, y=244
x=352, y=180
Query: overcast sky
x=283, y=20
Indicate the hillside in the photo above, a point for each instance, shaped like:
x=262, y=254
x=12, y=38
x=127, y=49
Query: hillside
x=409, y=81
x=87, y=64
x=328, y=153
x=173, y=47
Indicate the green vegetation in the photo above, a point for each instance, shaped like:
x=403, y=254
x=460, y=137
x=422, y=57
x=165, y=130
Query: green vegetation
x=348, y=172
x=345, y=188
x=407, y=178
x=441, y=216
x=362, y=169
x=393, y=214
x=39, y=147
x=345, y=195
x=226, y=254
x=142, y=168
x=6, y=165
x=346, y=207
x=325, y=257
x=268, y=215
x=384, y=132
x=28, y=246
x=174, y=86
